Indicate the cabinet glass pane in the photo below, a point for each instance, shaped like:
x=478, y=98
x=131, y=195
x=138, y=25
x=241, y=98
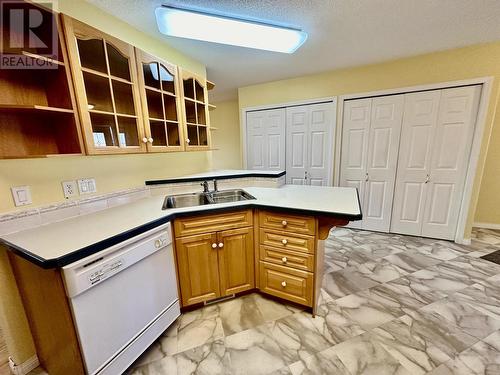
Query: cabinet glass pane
x=127, y=128
x=193, y=135
x=173, y=134
x=170, y=107
x=167, y=80
x=98, y=92
x=188, y=88
x=200, y=91
x=118, y=64
x=202, y=132
x=158, y=133
x=104, y=130
x=124, y=98
x=155, y=108
x=150, y=72
x=190, y=111
x=91, y=53
x=201, y=114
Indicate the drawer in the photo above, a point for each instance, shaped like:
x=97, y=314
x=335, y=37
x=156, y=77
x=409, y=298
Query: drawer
x=212, y=223
x=300, y=261
x=287, y=283
x=290, y=223
x=285, y=240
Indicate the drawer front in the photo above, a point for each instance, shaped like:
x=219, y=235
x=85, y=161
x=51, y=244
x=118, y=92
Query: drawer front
x=290, y=223
x=287, y=283
x=285, y=240
x=300, y=261
x=212, y=223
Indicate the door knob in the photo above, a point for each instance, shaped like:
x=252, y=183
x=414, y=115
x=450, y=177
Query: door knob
x=214, y=245
x=283, y=284
x=427, y=179
x=284, y=223
x=221, y=244
x=284, y=260
x=145, y=140
x=284, y=241
x=367, y=177
x=150, y=140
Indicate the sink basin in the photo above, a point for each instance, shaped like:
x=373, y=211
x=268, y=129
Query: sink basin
x=186, y=200
x=231, y=196
x=201, y=199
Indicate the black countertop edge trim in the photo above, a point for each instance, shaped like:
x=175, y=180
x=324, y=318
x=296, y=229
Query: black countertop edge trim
x=114, y=240
x=224, y=177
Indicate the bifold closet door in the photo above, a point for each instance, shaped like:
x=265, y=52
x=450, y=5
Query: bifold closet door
x=437, y=135
x=266, y=139
x=369, y=155
x=309, y=142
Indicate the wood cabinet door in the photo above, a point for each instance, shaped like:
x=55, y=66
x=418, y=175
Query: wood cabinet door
x=198, y=268
x=195, y=111
x=105, y=77
x=236, y=260
x=160, y=99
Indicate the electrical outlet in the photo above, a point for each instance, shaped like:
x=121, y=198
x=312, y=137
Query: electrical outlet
x=69, y=189
x=87, y=186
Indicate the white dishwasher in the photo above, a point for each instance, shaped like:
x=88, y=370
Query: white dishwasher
x=122, y=299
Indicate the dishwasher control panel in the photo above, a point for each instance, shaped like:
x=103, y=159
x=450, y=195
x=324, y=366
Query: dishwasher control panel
x=106, y=270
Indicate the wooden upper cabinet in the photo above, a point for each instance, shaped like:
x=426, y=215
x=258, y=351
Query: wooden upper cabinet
x=160, y=98
x=105, y=75
x=37, y=102
x=195, y=111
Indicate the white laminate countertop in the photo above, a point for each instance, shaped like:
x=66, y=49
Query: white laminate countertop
x=58, y=244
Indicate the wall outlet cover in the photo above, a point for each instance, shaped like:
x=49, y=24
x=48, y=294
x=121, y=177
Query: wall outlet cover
x=87, y=186
x=69, y=189
x=21, y=195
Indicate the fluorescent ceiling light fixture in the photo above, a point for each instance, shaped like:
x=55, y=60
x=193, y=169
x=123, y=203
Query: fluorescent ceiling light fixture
x=191, y=24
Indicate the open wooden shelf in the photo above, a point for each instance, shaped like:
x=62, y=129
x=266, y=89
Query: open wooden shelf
x=210, y=85
x=33, y=107
x=211, y=107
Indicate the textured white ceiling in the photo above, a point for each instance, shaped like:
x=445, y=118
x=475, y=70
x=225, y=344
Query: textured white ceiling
x=342, y=33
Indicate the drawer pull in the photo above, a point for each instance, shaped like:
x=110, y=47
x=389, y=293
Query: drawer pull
x=214, y=245
x=221, y=244
x=284, y=241
x=284, y=223
x=283, y=284
x=284, y=260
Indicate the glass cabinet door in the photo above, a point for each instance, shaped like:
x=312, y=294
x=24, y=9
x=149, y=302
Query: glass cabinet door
x=195, y=105
x=107, y=90
x=160, y=102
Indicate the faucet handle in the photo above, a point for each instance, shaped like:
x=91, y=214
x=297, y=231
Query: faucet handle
x=205, y=186
x=215, y=185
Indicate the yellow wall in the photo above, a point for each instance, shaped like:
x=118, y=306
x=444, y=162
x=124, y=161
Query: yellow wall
x=464, y=63
x=226, y=139
x=44, y=176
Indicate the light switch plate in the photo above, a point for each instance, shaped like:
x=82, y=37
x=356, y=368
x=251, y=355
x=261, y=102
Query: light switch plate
x=87, y=186
x=69, y=189
x=21, y=195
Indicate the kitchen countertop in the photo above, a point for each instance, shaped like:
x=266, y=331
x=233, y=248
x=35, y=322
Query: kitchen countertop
x=219, y=175
x=59, y=244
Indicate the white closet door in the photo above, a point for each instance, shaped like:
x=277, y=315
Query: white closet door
x=355, y=133
x=420, y=116
x=452, y=141
x=297, y=128
x=320, y=143
x=266, y=139
x=383, y=145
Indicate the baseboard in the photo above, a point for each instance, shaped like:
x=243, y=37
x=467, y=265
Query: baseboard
x=25, y=367
x=486, y=225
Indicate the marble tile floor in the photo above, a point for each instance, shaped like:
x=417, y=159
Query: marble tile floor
x=390, y=304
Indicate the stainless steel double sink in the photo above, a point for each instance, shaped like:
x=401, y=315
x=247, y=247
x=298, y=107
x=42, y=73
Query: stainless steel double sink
x=201, y=199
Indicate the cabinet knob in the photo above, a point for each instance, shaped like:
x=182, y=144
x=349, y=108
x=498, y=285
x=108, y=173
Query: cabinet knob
x=284, y=223
x=284, y=241
x=221, y=244
x=214, y=245
x=145, y=140
x=284, y=260
x=150, y=140
x=283, y=284
x=187, y=141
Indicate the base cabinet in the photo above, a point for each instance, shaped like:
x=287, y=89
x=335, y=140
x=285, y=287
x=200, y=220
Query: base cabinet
x=215, y=264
